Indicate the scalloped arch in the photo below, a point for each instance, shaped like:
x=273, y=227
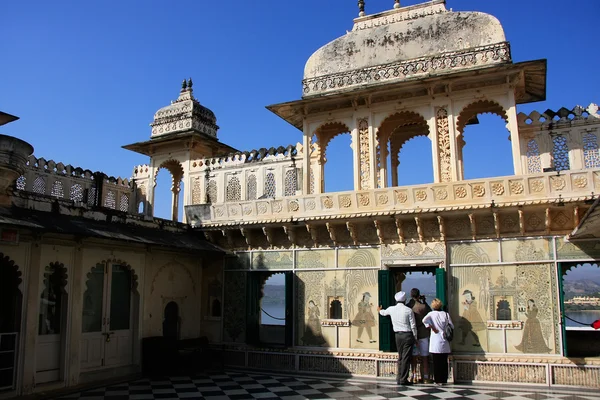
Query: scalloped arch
x=397, y=148
x=175, y=168
x=396, y=120
x=479, y=107
x=326, y=132
x=566, y=267
x=108, y=261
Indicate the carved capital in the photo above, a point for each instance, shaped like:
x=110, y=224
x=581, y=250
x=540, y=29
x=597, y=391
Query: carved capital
x=290, y=231
x=399, y=229
x=379, y=228
x=473, y=226
x=419, y=223
x=332, y=235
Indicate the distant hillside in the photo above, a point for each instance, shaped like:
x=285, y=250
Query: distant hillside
x=580, y=288
x=274, y=294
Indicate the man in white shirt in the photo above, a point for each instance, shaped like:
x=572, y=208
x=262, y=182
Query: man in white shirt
x=405, y=327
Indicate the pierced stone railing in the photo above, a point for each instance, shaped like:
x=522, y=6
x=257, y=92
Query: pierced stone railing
x=57, y=180
x=543, y=188
x=238, y=159
x=578, y=115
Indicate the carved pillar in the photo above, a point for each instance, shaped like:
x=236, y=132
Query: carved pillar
x=456, y=172
x=395, y=164
x=149, y=209
x=366, y=177
x=513, y=127
x=381, y=161
x=441, y=143
x=306, y=167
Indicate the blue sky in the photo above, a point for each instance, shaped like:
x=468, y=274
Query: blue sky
x=87, y=77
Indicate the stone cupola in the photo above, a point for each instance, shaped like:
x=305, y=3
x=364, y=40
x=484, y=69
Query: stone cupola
x=406, y=43
x=183, y=115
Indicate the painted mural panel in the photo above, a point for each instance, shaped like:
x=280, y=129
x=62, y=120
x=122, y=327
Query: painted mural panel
x=527, y=250
x=237, y=261
x=272, y=260
x=315, y=259
x=234, y=311
x=474, y=253
x=581, y=251
x=505, y=309
x=337, y=309
x=416, y=250
x=365, y=257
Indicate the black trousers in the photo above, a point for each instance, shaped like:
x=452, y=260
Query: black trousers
x=404, y=343
x=440, y=367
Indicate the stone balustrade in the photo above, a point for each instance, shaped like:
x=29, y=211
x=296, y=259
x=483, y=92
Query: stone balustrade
x=49, y=178
x=541, y=188
x=561, y=118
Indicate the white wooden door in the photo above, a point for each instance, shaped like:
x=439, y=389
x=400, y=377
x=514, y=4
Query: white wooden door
x=106, y=339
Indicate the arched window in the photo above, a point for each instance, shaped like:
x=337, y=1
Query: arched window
x=57, y=190
x=21, y=182
x=76, y=192
x=335, y=309
x=211, y=191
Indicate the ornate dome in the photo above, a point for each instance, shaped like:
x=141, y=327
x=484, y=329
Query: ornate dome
x=415, y=41
x=184, y=114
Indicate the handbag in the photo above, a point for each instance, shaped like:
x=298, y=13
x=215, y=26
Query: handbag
x=448, y=330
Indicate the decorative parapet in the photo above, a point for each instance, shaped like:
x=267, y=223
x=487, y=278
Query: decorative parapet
x=399, y=15
x=425, y=66
x=49, y=178
x=238, y=159
x=542, y=188
x=561, y=118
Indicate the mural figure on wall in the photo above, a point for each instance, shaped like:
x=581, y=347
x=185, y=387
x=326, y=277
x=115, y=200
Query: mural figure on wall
x=365, y=319
x=533, y=339
x=313, y=335
x=471, y=321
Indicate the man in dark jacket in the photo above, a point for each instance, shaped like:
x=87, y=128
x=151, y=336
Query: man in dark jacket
x=420, y=307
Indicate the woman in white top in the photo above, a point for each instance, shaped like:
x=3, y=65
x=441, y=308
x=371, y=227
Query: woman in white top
x=439, y=347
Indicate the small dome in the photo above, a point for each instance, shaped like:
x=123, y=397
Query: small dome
x=184, y=114
x=424, y=39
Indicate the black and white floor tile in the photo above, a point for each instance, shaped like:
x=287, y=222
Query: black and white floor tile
x=240, y=385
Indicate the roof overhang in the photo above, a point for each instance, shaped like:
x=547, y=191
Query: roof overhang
x=589, y=226
x=6, y=118
x=191, y=138
x=528, y=77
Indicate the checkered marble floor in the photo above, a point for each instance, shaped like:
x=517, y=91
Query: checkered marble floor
x=240, y=385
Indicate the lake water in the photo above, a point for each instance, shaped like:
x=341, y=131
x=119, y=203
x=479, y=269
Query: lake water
x=587, y=317
x=276, y=310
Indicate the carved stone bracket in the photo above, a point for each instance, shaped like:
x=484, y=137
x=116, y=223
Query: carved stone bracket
x=246, y=234
x=353, y=232
x=576, y=217
x=548, y=220
x=419, y=223
x=496, y=224
x=291, y=233
x=268, y=232
x=332, y=235
x=228, y=237
x=379, y=228
x=442, y=226
x=473, y=226
x=399, y=229
x=312, y=229
x=521, y=222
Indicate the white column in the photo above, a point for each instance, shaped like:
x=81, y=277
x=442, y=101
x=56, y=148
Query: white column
x=306, y=158
x=513, y=127
x=457, y=171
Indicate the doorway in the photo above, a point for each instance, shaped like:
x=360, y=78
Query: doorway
x=266, y=324
x=108, y=311
x=430, y=280
x=51, y=325
x=171, y=321
x=10, y=321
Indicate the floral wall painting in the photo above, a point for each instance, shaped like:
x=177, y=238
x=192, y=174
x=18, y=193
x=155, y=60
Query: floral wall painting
x=313, y=335
x=365, y=319
x=533, y=340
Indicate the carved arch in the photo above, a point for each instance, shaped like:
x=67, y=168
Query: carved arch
x=175, y=169
x=469, y=112
x=173, y=264
x=109, y=261
x=325, y=133
x=11, y=297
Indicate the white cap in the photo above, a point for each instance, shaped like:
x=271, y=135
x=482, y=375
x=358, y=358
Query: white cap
x=400, y=297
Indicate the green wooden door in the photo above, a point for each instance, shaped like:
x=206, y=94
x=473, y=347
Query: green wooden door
x=440, y=286
x=289, y=308
x=387, y=341
x=252, y=308
x=561, y=301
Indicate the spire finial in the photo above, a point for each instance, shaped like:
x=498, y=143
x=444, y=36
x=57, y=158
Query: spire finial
x=190, y=83
x=396, y=3
x=183, y=85
x=361, y=8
